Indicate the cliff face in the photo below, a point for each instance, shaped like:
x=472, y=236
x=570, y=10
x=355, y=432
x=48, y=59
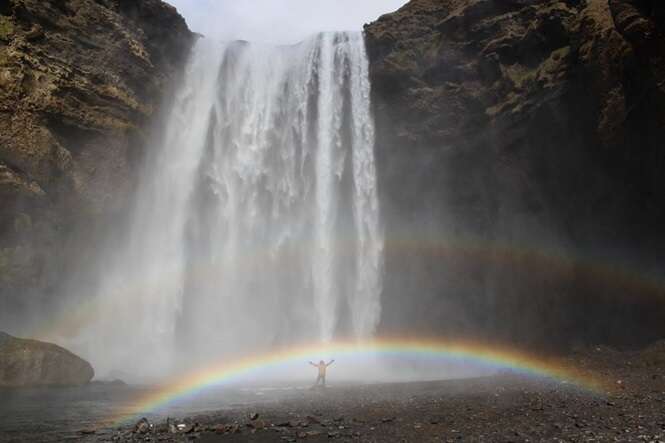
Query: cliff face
x=79, y=83
x=520, y=150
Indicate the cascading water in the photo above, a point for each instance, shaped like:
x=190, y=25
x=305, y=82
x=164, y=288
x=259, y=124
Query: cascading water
x=257, y=221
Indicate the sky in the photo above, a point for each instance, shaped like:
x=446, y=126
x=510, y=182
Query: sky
x=279, y=21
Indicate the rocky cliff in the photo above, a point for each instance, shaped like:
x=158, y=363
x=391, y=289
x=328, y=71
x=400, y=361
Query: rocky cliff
x=520, y=150
x=519, y=155
x=80, y=81
x=25, y=363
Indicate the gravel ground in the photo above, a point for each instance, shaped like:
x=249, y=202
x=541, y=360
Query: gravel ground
x=503, y=408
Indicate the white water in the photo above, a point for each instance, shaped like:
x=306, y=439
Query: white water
x=257, y=221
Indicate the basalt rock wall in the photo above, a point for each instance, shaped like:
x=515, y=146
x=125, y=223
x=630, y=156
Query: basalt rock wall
x=520, y=157
x=80, y=81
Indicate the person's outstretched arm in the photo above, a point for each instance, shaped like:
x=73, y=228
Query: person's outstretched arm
x=331, y=362
x=311, y=363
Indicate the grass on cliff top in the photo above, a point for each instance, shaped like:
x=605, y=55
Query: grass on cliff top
x=6, y=28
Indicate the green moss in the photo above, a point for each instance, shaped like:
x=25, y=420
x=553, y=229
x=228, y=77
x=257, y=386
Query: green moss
x=6, y=28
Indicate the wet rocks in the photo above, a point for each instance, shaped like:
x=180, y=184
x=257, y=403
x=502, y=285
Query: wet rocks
x=171, y=426
x=313, y=419
x=28, y=363
x=505, y=407
x=143, y=426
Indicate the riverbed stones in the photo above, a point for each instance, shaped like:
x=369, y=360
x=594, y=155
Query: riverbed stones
x=143, y=426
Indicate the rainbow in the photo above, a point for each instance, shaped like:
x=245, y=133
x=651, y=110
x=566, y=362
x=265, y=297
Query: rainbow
x=613, y=279
x=485, y=355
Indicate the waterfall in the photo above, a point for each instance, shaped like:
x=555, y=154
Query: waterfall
x=256, y=222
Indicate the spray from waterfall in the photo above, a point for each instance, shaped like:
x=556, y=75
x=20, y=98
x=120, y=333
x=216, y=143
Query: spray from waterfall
x=257, y=222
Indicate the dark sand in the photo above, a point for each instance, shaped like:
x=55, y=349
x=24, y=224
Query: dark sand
x=502, y=408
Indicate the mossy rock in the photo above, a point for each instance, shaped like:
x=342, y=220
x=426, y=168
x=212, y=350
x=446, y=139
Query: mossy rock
x=26, y=363
x=6, y=28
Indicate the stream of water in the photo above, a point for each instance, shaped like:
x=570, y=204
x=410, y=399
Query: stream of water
x=256, y=221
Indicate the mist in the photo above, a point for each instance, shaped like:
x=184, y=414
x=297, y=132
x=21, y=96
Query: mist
x=372, y=220
x=283, y=22
x=255, y=223
x=277, y=205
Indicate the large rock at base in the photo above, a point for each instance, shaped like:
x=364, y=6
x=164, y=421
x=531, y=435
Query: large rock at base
x=26, y=363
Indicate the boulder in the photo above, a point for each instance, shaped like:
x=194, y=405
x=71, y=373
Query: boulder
x=29, y=363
